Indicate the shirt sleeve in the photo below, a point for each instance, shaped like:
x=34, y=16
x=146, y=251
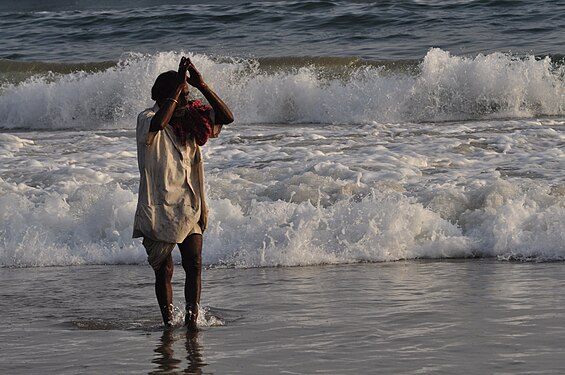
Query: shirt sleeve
x=143, y=124
x=216, y=128
x=212, y=115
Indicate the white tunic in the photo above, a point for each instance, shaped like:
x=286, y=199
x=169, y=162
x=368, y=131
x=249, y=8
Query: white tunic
x=171, y=191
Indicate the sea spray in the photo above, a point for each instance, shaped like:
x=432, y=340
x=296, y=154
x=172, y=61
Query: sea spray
x=441, y=88
x=278, y=212
x=333, y=180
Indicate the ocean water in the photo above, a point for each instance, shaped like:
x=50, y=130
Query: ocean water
x=415, y=317
x=365, y=132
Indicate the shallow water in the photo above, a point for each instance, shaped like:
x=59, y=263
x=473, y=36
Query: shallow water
x=414, y=317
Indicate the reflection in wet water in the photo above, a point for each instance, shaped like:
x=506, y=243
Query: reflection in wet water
x=166, y=360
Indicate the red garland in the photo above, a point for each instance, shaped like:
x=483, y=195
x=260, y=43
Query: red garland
x=194, y=123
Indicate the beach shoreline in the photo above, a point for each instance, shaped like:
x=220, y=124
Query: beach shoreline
x=472, y=315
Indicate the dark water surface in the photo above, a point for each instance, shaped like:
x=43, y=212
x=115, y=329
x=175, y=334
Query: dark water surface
x=417, y=317
x=73, y=31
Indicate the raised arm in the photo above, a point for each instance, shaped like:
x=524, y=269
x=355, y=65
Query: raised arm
x=223, y=115
x=168, y=105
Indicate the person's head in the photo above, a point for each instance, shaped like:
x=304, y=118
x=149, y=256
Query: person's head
x=164, y=87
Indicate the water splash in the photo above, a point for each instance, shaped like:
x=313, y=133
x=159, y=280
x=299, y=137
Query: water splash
x=442, y=88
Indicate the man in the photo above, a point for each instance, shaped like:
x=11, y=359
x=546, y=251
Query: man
x=172, y=209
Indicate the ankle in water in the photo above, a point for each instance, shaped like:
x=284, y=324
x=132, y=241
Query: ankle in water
x=191, y=316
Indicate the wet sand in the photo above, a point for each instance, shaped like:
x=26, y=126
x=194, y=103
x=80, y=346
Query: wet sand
x=414, y=317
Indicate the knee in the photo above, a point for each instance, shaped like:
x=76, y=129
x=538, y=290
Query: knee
x=192, y=260
x=165, y=272
x=191, y=252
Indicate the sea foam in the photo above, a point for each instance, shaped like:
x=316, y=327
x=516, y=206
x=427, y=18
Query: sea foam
x=442, y=88
x=298, y=195
x=319, y=167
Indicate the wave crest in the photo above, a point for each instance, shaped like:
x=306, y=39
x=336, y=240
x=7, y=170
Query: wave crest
x=441, y=87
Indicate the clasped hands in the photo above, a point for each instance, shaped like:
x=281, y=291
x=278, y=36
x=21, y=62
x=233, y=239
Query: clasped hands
x=194, y=78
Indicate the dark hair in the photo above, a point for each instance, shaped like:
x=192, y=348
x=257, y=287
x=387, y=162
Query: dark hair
x=164, y=85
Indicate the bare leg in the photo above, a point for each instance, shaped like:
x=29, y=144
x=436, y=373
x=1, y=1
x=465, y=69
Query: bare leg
x=191, y=253
x=164, y=289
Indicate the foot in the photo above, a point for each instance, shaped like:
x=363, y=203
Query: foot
x=191, y=326
x=190, y=321
x=191, y=318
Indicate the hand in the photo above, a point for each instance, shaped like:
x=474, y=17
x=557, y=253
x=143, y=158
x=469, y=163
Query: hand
x=195, y=79
x=183, y=67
